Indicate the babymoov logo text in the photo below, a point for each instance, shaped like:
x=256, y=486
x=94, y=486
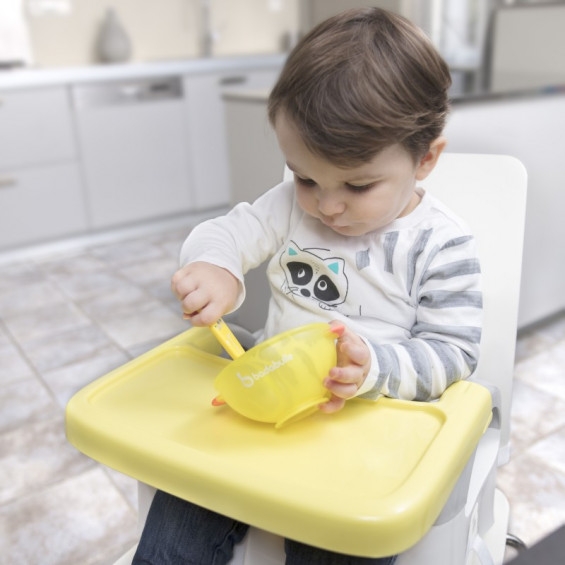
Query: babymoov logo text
x=249, y=380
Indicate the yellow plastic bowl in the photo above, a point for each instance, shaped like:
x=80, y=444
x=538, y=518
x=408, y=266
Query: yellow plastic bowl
x=280, y=380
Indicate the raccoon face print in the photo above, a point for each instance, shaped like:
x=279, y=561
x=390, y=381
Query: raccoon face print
x=310, y=276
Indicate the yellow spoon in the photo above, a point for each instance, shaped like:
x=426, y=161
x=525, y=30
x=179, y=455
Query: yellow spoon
x=225, y=336
x=230, y=343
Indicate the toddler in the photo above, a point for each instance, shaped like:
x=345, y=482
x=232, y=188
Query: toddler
x=358, y=112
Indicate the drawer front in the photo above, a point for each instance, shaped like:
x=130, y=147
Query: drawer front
x=35, y=127
x=127, y=92
x=207, y=132
x=38, y=204
x=135, y=162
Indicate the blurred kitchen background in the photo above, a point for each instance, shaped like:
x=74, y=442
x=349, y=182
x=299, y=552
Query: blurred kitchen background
x=63, y=33
x=125, y=122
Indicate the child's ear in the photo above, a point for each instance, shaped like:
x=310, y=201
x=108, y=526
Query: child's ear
x=428, y=161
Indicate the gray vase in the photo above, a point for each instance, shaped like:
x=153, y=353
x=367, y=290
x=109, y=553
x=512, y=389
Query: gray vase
x=113, y=44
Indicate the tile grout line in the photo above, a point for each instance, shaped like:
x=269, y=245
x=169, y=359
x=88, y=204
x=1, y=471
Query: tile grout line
x=36, y=373
x=105, y=469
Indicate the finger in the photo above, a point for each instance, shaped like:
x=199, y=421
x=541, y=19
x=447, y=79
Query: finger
x=334, y=404
x=180, y=283
x=197, y=319
x=189, y=316
x=183, y=289
x=341, y=390
x=193, y=302
x=207, y=315
x=353, y=352
x=337, y=327
x=350, y=374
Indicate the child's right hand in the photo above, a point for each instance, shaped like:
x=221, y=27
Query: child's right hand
x=206, y=292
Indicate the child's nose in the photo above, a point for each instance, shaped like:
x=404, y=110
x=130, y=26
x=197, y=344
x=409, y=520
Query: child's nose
x=330, y=204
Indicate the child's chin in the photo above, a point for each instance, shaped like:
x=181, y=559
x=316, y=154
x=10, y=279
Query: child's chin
x=349, y=230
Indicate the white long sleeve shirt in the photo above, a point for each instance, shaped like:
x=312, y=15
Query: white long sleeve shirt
x=411, y=290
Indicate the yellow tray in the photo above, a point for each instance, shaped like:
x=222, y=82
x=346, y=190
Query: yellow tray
x=369, y=480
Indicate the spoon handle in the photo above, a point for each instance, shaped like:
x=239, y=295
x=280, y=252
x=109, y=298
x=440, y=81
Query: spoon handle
x=225, y=336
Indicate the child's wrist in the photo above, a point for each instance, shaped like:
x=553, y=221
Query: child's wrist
x=372, y=373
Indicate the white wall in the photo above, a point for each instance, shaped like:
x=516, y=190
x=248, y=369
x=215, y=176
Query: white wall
x=530, y=129
x=318, y=10
x=161, y=29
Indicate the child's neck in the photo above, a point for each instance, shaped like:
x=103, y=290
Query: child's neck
x=413, y=204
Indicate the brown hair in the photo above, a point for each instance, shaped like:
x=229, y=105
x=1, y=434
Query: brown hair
x=361, y=81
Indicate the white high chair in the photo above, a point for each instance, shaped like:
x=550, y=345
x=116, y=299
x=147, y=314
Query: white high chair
x=427, y=489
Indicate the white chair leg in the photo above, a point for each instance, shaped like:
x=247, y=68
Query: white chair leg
x=126, y=558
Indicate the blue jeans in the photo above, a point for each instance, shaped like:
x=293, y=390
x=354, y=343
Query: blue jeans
x=178, y=532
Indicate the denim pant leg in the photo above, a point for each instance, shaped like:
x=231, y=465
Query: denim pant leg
x=301, y=554
x=178, y=532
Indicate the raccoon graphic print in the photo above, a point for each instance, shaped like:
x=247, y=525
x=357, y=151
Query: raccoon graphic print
x=311, y=275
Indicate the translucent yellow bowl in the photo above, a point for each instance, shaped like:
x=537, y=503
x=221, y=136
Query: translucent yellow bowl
x=280, y=380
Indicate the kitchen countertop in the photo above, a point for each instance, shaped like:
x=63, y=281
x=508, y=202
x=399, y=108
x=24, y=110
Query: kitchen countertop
x=457, y=96
x=30, y=77
x=36, y=77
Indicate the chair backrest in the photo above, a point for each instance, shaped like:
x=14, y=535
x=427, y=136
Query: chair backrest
x=489, y=193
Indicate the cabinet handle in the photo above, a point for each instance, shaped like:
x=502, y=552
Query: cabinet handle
x=233, y=80
x=131, y=90
x=7, y=182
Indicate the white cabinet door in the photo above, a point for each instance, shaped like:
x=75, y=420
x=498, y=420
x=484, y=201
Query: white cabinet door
x=35, y=127
x=40, y=203
x=40, y=186
x=207, y=130
x=256, y=161
x=134, y=154
x=207, y=141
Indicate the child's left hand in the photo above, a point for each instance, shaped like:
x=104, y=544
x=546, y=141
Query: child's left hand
x=353, y=365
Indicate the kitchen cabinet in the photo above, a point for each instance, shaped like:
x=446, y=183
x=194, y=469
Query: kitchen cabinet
x=207, y=130
x=95, y=148
x=132, y=136
x=40, y=203
x=35, y=127
x=256, y=162
x=40, y=187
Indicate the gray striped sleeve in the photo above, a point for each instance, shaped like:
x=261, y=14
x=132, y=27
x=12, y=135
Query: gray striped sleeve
x=457, y=241
x=422, y=367
x=389, y=368
x=413, y=254
x=470, y=334
x=362, y=259
x=452, y=299
x=455, y=269
x=427, y=374
x=448, y=359
x=390, y=242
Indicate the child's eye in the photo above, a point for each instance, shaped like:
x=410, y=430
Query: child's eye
x=304, y=182
x=360, y=187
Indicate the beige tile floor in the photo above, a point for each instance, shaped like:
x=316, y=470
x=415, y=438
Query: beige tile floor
x=69, y=317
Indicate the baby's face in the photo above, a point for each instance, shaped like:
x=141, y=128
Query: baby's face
x=351, y=201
